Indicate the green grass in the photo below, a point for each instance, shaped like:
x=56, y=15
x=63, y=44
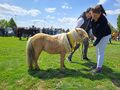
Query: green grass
x=15, y=76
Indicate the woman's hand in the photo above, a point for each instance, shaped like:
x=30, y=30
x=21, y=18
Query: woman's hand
x=95, y=43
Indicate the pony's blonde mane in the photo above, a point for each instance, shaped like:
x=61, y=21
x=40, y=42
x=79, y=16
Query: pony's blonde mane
x=74, y=34
x=62, y=39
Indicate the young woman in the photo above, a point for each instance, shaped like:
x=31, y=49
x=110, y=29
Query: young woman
x=102, y=32
x=83, y=22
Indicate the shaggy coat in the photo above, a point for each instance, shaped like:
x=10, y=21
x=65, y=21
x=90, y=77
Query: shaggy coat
x=53, y=44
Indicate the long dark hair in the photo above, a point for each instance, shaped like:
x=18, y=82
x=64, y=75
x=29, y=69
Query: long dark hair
x=99, y=9
x=84, y=13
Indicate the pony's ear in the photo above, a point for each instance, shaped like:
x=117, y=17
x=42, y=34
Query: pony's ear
x=77, y=29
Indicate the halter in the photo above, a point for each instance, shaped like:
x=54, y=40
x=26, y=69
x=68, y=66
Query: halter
x=71, y=41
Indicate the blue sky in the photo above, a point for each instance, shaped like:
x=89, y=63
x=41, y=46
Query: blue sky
x=56, y=13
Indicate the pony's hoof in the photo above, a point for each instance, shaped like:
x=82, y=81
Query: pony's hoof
x=62, y=71
x=30, y=69
x=64, y=67
x=37, y=69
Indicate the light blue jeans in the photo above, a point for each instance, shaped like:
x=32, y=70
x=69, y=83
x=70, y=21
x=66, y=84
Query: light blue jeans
x=100, y=49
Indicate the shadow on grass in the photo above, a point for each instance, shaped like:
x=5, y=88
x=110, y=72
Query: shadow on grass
x=55, y=73
x=107, y=73
x=114, y=43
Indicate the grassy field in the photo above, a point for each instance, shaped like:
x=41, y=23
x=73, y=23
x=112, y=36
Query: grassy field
x=15, y=76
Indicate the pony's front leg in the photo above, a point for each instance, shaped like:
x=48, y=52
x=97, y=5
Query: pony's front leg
x=62, y=58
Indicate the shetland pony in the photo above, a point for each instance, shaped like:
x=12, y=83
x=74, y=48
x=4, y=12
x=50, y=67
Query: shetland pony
x=53, y=44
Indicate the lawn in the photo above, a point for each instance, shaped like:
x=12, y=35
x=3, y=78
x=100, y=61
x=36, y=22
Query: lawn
x=15, y=76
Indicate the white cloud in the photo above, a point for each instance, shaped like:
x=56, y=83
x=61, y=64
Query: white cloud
x=66, y=6
x=113, y=12
x=33, y=12
x=42, y=23
x=15, y=10
x=67, y=20
x=102, y=2
x=29, y=23
x=38, y=20
x=50, y=17
x=50, y=10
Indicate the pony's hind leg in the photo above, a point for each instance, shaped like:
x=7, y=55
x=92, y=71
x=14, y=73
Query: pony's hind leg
x=30, y=66
x=38, y=52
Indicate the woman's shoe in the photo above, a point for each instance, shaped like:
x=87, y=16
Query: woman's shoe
x=93, y=67
x=97, y=70
x=69, y=59
x=85, y=58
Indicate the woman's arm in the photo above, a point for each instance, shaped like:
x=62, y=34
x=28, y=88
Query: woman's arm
x=80, y=21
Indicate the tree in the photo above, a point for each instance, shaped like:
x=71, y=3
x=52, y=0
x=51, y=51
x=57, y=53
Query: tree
x=118, y=22
x=3, y=23
x=12, y=23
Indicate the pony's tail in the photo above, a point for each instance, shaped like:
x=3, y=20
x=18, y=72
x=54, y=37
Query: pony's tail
x=30, y=54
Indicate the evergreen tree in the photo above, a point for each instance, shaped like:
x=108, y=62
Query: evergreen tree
x=12, y=23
